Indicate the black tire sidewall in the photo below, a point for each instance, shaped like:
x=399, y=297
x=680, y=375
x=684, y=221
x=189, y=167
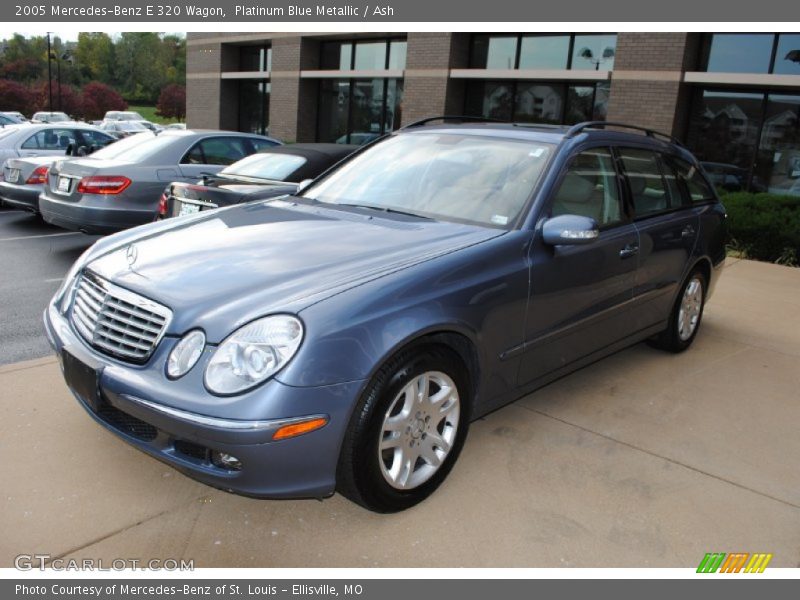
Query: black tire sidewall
x=376, y=493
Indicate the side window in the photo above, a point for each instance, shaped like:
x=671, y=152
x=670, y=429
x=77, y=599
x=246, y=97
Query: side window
x=50, y=139
x=94, y=138
x=589, y=188
x=194, y=156
x=694, y=182
x=647, y=186
x=223, y=151
x=676, y=196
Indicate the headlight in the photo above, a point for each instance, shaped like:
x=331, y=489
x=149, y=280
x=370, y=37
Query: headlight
x=185, y=354
x=253, y=353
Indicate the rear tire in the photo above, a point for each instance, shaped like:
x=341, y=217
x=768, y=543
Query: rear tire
x=686, y=315
x=407, y=430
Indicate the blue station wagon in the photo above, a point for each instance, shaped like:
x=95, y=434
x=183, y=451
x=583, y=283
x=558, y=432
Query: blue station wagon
x=343, y=338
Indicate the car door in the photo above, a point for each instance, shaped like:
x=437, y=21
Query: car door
x=668, y=230
x=579, y=293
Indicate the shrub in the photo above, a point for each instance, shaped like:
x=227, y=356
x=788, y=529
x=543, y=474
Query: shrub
x=172, y=102
x=70, y=100
x=98, y=98
x=15, y=96
x=764, y=226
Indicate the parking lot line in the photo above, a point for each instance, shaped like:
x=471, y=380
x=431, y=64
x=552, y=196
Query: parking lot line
x=43, y=235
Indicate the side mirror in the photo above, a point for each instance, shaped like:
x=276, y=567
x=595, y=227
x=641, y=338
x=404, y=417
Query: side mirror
x=303, y=185
x=570, y=230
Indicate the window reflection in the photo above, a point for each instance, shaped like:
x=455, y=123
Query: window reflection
x=254, y=106
x=544, y=52
x=740, y=53
x=748, y=140
x=255, y=58
x=363, y=55
x=536, y=101
x=787, y=57
x=357, y=111
x=594, y=52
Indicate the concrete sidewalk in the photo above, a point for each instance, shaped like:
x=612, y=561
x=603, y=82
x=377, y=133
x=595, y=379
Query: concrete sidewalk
x=644, y=459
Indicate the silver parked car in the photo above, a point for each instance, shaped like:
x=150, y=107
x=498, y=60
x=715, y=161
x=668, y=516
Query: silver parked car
x=51, y=117
x=120, y=186
x=50, y=140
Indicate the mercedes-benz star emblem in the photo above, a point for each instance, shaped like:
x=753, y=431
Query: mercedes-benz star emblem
x=131, y=254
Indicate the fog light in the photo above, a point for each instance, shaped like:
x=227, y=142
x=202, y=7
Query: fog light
x=223, y=460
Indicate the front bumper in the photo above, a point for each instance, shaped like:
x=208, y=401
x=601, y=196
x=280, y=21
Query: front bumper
x=21, y=196
x=91, y=214
x=130, y=405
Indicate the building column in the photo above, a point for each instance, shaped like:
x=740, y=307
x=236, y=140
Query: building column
x=428, y=90
x=293, y=101
x=647, y=87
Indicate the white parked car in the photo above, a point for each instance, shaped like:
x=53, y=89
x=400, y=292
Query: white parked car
x=50, y=140
x=51, y=117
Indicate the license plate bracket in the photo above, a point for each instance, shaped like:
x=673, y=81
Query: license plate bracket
x=13, y=175
x=185, y=208
x=63, y=184
x=82, y=376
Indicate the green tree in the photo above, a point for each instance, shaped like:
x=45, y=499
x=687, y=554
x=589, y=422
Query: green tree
x=94, y=56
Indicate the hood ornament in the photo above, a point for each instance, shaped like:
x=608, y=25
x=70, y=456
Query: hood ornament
x=131, y=254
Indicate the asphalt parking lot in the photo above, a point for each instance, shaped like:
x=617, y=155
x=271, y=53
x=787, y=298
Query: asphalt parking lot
x=641, y=460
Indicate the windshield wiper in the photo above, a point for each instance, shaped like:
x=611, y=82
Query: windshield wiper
x=385, y=209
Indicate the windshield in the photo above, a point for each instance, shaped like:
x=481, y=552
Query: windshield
x=265, y=166
x=130, y=116
x=448, y=176
x=116, y=149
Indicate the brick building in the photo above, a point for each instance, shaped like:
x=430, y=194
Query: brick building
x=733, y=98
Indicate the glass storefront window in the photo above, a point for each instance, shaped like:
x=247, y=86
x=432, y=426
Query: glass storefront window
x=361, y=56
x=334, y=108
x=356, y=111
x=724, y=131
x=255, y=58
x=787, y=57
x=778, y=164
x=370, y=55
x=594, y=52
x=254, y=106
x=397, y=54
x=740, y=53
x=537, y=103
x=544, y=52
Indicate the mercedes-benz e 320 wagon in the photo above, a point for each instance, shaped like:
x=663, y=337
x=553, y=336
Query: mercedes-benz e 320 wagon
x=342, y=339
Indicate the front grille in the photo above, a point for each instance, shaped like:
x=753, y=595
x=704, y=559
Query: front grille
x=116, y=321
x=192, y=450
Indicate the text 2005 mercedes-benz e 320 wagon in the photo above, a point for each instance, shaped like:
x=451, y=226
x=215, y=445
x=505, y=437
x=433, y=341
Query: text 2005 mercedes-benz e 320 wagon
x=342, y=339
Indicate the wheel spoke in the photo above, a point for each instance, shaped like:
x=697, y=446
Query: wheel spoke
x=436, y=440
x=429, y=455
x=395, y=424
x=392, y=441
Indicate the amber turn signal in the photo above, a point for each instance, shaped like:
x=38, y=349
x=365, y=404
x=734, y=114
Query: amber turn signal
x=295, y=429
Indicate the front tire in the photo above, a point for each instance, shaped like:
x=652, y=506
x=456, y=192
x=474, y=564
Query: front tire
x=684, y=321
x=407, y=430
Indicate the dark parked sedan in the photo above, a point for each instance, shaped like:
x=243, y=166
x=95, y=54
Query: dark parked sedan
x=344, y=338
x=267, y=174
x=120, y=186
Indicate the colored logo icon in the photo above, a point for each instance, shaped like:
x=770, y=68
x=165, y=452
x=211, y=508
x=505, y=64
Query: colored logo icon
x=737, y=562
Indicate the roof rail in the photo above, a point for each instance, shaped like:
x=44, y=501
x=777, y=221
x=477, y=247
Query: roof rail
x=576, y=129
x=461, y=118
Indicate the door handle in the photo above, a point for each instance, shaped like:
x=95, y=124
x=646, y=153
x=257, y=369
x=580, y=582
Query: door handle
x=629, y=250
x=687, y=232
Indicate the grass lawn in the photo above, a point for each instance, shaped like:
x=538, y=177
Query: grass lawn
x=149, y=113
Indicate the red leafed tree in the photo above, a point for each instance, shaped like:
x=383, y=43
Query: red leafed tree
x=69, y=100
x=15, y=96
x=172, y=102
x=98, y=98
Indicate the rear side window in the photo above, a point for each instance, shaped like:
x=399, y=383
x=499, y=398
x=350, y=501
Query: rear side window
x=693, y=182
x=646, y=183
x=589, y=188
x=217, y=151
x=259, y=144
x=50, y=139
x=92, y=138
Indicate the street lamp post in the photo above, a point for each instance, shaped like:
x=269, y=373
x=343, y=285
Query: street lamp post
x=49, y=74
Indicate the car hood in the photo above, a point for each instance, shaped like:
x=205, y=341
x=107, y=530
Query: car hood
x=221, y=269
